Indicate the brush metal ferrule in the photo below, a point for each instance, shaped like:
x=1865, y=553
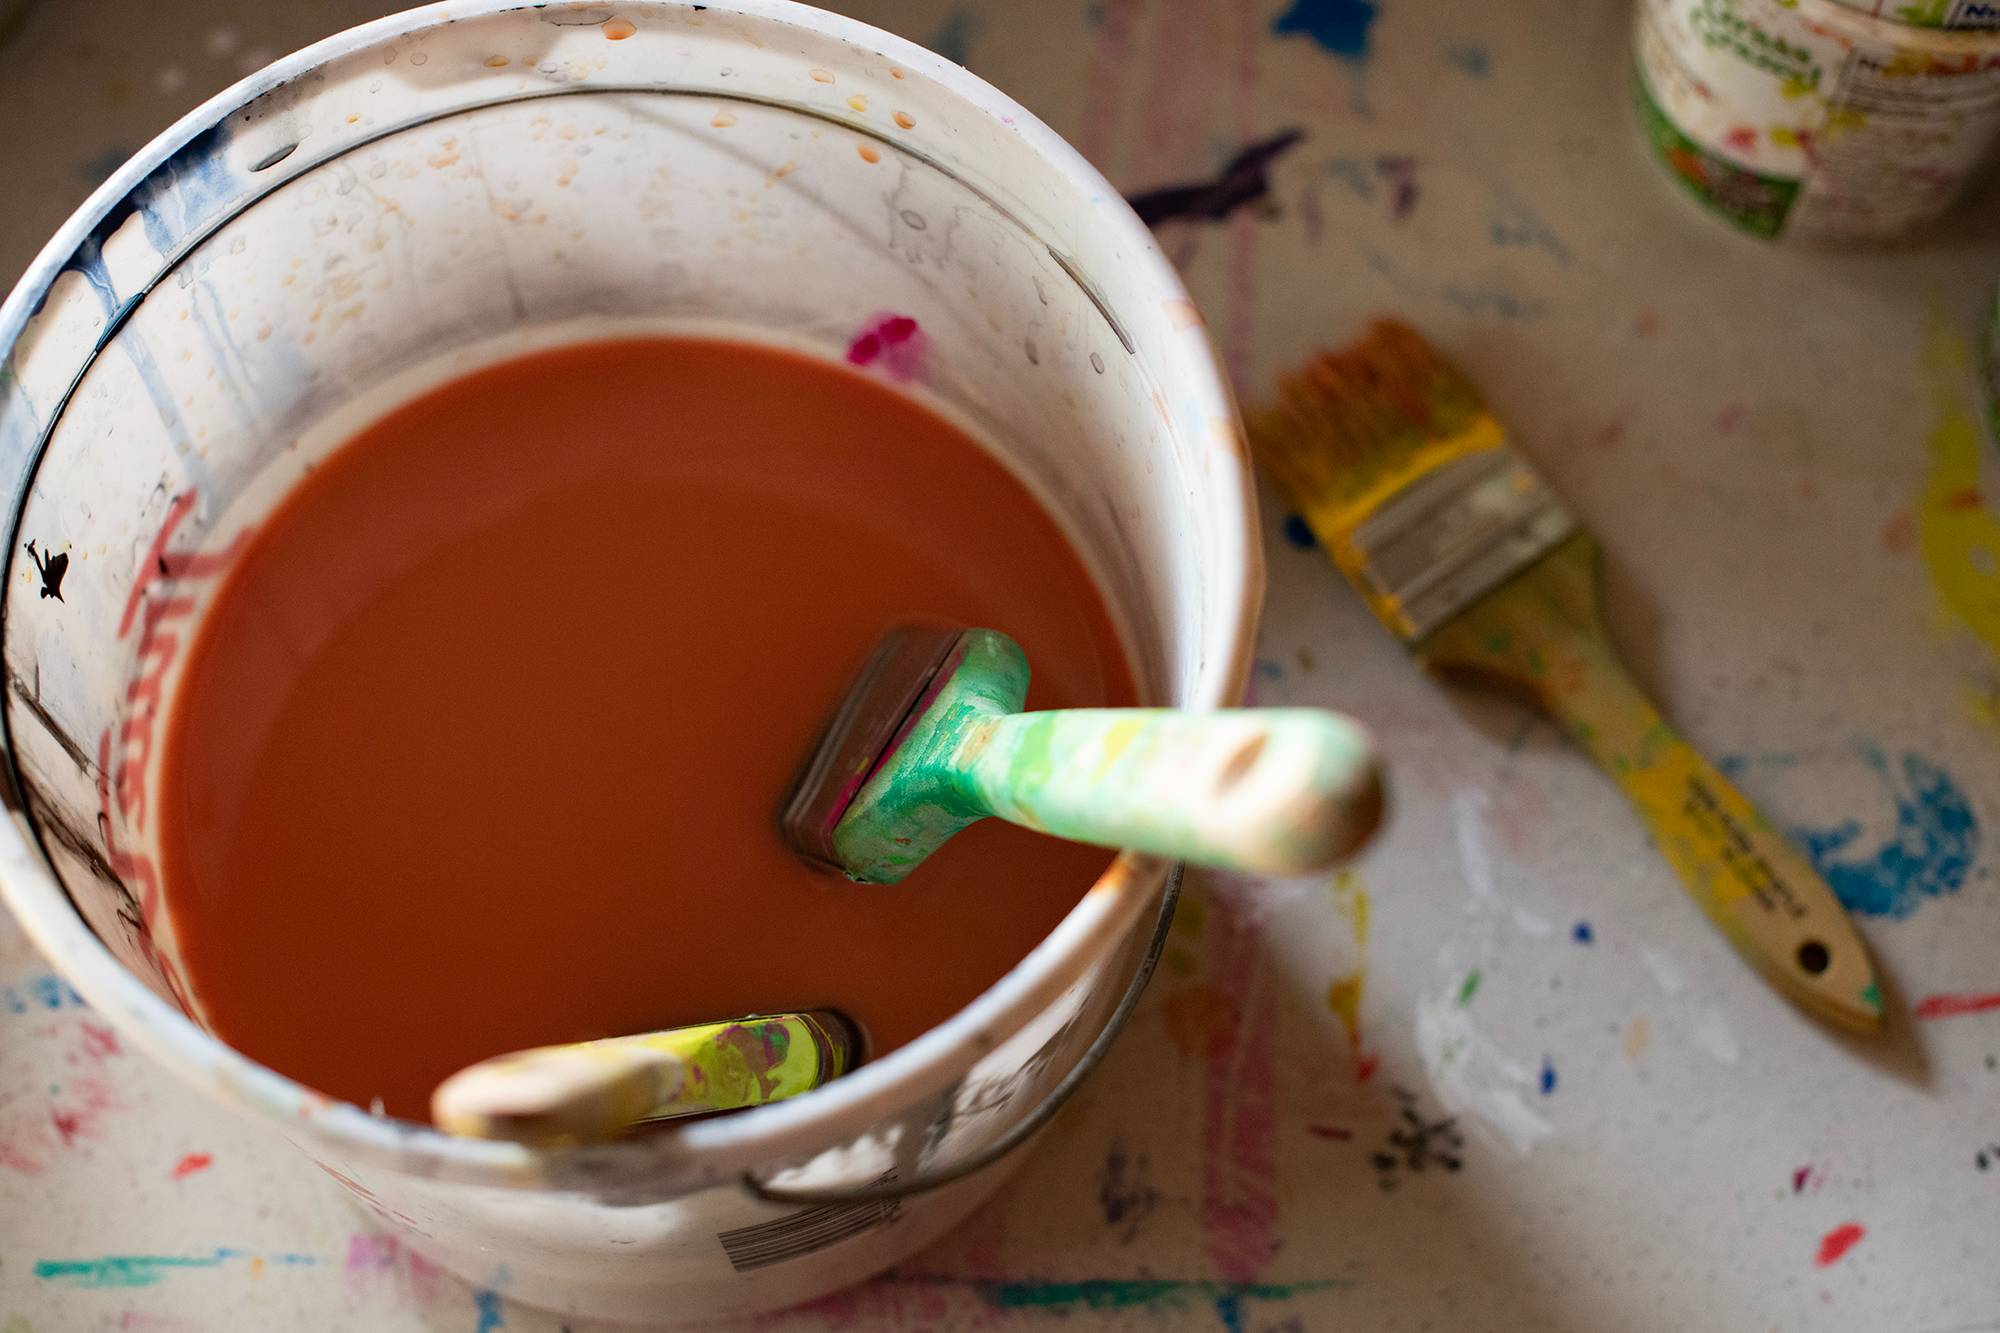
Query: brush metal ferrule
x=1449, y=537
x=866, y=728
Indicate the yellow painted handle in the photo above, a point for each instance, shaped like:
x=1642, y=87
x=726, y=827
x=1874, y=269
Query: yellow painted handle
x=1752, y=882
x=1541, y=632
x=553, y=1096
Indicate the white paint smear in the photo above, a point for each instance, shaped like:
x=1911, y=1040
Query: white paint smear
x=1703, y=1023
x=1666, y=973
x=1468, y=810
x=1474, y=1079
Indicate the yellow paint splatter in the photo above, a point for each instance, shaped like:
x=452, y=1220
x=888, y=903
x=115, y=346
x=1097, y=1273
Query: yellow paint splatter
x=1638, y=1035
x=1350, y=899
x=1117, y=739
x=1958, y=532
x=858, y=102
x=1344, y=996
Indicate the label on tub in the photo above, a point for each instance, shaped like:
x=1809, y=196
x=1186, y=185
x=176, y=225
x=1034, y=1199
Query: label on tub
x=1807, y=121
x=1932, y=13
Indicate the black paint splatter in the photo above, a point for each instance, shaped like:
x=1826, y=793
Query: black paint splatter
x=1417, y=1144
x=1126, y=1193
x=52, y=569
x=1988, y=1157
x=1244, y=181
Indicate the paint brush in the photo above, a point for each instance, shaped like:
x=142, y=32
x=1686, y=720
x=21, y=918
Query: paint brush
x=585, y=1092
x=931, y=739
x=1459, y=548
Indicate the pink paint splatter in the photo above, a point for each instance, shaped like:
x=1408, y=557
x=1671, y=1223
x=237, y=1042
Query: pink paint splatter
x=1802, y=1177
x=370, y=1255
x=17, y=1158
x=1609, y=436
x=1835, y=1244
x=1239, y=1203
x=1647, y=324
x=1743, y=138
x=426, y=1278
x=80, y=1115
x=1334, y=1132
x=190, y=1164
x=893, y=342
x=1730, y=418
x=99, y=1042
x=1950, y=1006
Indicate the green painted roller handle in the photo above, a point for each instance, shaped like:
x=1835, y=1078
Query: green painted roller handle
x=1270, y=791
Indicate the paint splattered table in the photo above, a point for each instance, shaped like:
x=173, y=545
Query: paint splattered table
x=1502, y=1075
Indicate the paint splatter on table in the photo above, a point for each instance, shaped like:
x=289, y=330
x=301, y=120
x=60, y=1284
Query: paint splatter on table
x=1505, y=1037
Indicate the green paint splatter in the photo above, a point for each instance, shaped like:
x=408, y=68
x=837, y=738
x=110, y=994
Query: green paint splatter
x=1499, y=641
x=1468, y=988
x=1537, y=663
x=123, y=1270
x=1122, y=1294
x=1871, y=995
x=143, y=1270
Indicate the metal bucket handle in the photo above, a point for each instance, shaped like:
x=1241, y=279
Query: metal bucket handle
x=1045, y=1110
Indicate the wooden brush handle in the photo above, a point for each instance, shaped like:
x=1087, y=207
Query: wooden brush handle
x=1542, y=632
x=1270, y=791
x=595, y=1090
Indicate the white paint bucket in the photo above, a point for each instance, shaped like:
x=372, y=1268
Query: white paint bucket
x=446, y=185
x=1806, y=120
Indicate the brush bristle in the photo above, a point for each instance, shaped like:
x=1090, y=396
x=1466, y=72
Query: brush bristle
x=1349, y=420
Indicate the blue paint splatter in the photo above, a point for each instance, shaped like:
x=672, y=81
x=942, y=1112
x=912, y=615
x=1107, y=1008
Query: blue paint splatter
x=1468, y=58
x=1582, y=933
x=1513, y=224
x=954, y=37
x=1299, y=533
x=1930, y=853
x=1340, y=26
x=1357, y=173
x=1494, y=301
x=1548, y=1076
x=40, y=994
x=487, y=1303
